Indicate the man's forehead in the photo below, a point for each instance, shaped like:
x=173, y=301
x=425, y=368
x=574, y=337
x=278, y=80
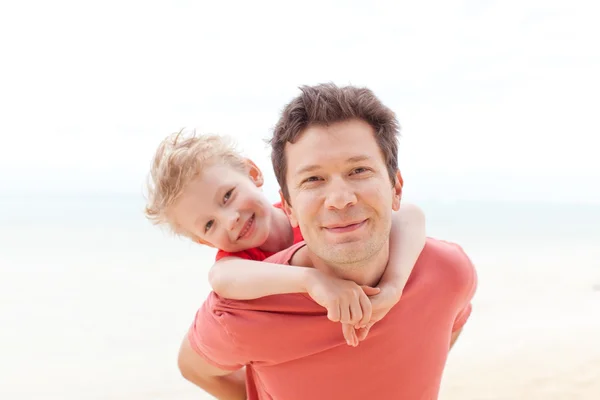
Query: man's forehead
x=342, y=142
x=348, y=132
x=302, y=158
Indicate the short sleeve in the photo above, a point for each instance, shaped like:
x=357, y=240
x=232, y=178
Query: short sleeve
x=240, y=254
x=209, y=338
x=462, y=317
x=466, y=286
x=297, y=235
x=254, y=254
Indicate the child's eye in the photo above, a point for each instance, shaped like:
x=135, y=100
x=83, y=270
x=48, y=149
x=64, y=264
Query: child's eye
x=208, y=225
x=227, y=196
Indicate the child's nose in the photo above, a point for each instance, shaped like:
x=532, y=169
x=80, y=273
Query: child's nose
x=232, y=220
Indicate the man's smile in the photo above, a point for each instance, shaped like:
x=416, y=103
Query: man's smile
x=345, y=227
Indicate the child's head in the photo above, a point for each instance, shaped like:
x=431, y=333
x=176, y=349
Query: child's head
x=202, y=188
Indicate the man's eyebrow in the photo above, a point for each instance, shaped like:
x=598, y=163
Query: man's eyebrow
x=308, y=168
x=356, y=159
x=314, y=167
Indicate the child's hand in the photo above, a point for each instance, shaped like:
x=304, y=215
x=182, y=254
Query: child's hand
x=345, y=301
x=381, y=304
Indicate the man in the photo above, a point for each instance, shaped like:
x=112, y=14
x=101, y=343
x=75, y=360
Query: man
x=335, y=156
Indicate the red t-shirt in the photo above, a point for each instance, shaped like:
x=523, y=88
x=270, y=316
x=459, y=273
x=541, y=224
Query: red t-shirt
x=296, y=353
x=257, y=254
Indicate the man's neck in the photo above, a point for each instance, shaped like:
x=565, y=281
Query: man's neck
x=367, y=272
x=281, y=235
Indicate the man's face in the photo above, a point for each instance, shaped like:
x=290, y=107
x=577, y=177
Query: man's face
x=224, y=208
x=340, y=191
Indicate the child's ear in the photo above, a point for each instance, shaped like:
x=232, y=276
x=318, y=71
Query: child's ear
x=397, y=191
x=254, y=173
x=289, y=211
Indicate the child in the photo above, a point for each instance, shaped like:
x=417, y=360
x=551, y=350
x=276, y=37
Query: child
x=203, y=189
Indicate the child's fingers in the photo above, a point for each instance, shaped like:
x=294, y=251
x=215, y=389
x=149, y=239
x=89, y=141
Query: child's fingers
x=367, y=310
x=356, y=311
x=370, y=291
x=362, y=333
x=350, y=335
x=333, y=312
x=354, y=337
x=345, y=313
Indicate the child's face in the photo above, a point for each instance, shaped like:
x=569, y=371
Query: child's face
x=224, y=208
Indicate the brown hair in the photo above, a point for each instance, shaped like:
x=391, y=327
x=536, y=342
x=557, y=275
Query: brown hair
x=181, y=157
x=326, y=104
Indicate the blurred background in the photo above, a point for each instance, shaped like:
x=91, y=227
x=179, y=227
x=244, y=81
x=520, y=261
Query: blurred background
x=498, y=103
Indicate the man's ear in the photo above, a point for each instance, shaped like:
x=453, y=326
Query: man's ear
x=254, y=173
x=397, y=191
x=289, y=211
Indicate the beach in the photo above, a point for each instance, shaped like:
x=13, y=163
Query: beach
x=94, y=301
x=538, y=340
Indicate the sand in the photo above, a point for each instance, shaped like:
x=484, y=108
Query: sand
x=90, y=316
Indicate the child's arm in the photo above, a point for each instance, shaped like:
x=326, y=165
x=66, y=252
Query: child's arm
x=241, y=279
x=407, y=239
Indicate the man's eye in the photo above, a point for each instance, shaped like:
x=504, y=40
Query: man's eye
x=312, y=179
x=227, y=196
x=208, y=225
x=359, y=170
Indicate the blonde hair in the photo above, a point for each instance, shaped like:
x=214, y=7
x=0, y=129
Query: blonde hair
x=181, y=157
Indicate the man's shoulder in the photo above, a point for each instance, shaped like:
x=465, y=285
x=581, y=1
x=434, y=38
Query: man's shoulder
x=442, y=248
x=285, y=256
x=255, y=326
x=449, y=261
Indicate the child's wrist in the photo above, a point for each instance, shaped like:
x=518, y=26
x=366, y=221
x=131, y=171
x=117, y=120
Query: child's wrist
x=391, y=290
x=308, y=279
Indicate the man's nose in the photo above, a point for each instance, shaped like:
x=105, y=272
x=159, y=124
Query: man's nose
x=339, y=195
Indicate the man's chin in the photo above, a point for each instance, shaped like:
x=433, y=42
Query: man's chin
x=346, y=241
x=344, y=253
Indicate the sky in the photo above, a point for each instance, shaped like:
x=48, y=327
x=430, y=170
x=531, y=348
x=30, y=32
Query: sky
x=496, y=100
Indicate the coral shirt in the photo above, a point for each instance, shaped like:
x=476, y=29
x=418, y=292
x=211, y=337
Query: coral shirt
x=296, y=353
x=257, y=254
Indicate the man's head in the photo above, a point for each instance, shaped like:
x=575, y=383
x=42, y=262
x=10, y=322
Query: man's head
x=326, y=104
x=335, y=155
x=202, y=188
